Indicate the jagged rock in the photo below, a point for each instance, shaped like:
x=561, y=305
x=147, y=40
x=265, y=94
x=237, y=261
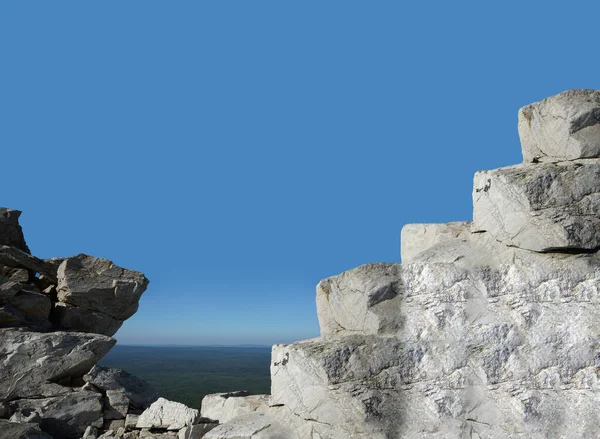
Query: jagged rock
x=167, y=414
x=131, y=421
x=224, y=407
x=32, y=361
x=113, y=424
x=8, y=288
x=415, y=238
x=74, y=318
x=15, y=258
x=34, y=308
x=197, y=431
x=99, y=285
x=250, y=426
x=562, y=127
x=540, y=207
x=65, y=417
x=132, y=434
x=20, y=430
x=10, y=230
x=90, y=432
x=116, y=404
x=364, y=299
x=139, y=392
x=26, y=415
x=19, y=275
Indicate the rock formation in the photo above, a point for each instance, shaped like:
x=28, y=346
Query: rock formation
x=488, y=329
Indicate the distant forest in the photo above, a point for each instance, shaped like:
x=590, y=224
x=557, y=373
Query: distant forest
x=187, y=374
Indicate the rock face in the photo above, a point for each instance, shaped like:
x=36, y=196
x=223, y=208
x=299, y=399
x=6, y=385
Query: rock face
x=486, y=330
x=225, y=406
x=168, y=415
x=11, y=233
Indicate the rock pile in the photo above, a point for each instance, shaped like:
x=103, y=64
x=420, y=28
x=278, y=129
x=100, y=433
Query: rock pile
x=488, y=329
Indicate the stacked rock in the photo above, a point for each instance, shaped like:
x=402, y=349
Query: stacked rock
x=488, y=329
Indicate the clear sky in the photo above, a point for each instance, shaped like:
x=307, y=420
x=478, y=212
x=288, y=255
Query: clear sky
x=237, y=152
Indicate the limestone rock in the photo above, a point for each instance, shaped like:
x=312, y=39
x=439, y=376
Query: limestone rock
x=10, y=230
x=139, y=392
x=562, y=127
x=197, y=431
x=364, y=300
x=74, y=318
x=415, y=238
x=65, y=417
x=116, y=404
x=32, y=361
x=223, y=407
x=99, y=285
x=168, y=415
x=250, y=426
x=19, y=430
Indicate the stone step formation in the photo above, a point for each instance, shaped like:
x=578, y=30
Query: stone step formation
x=487, y=329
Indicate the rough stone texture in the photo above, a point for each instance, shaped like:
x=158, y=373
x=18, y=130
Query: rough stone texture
x=26, y=415
x=540, y=207
x=34, y=309
x=562, y=127
x=32, y=361
x=74, y=318
x=364, y=299
x=250, y=426
x=415, y=238
x=10, y=230
x=168, y=415
x=131, y=421
x=222, y=407
x=196, y=431
x=13, y=430
x=139, y=392
x=99, y=285
x=65, y=417
x=15, y=258
x=90, y=433
x=116, y=404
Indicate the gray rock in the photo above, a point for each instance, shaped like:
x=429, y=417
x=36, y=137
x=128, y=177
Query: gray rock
x=250, y=426
x=32, y=361
x=20, y=275
x=562, y=127
x=14, y=430
x=26, y=415
x=13, y=257
x=543, y=207
x=197, y=431
x=116, y=404
x=131, y=421
x=139, y=392
x=222, y=407
x=132, y=434
x=11, y=317
x=74, y=318
x=90, y=432
x=99, y=285
x=114, y=425
x=35, y=308
x=364, y=300
x=10, y=230
x=8, y=288
x=65, y=417
x=167, y=415
x=416, y=238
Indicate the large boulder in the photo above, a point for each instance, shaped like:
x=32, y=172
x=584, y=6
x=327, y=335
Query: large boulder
x=168, y=415
x=65, y=417
x=21, y=430
x=562, y=127
x=16, y=258
x=10, y=230
x=139, y=392
x=32, y=362
x=99, y=285
x=251, y=426
x=540, y=207
x=75, y=318
x=226, y=406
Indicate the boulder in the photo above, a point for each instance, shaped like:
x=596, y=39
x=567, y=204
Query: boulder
x=167, y=415
x=116, y=404
x=139, y=392
x=99, y=285
x=8, y=288
x=224, y=407
x=365, y=299
x=16, y=258
x=250, y=426
x=33, y=361
x=562, y=127
x=415, y=238
x=21, y=430
x=541, y=207
x=65, y=417
x=10, y=230
x=35, y=308
x=74, y=318
x=90, y=432
x=26, y=415
x=197, y=431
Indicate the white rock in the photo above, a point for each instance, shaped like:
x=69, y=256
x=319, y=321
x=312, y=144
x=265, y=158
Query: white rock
x=168, y=415
x=415, y=238
x=116, y=404
x=565, y=126
x=197, y=431
x=250, y=426
x=222, y=407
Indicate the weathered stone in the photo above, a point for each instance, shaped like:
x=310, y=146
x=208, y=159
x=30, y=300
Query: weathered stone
x=131, y=421
x=90, y=432
x=19, y=430
x=74, y=318
x=13, y=257
x=11, y=317
x=26, y=415
x=113, y=425
x=543, y=207
x=10, y=230
x=99, y=285
x=565, y=126
x=250, y=426
x=65, y=417
x=19, y=275
x=416, y=238
x=34, y=306
x=224, y=407
x=168, y=415
x=197, y=431
x=116, y=404
x=139, y=392
x=32, y=361
x=8, y=288
x=132, y=434
x=364, y=299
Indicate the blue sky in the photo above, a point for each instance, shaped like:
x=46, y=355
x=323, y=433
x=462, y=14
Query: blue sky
x=238, y=152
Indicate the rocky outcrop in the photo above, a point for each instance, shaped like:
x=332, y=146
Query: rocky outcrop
x=226, y=406
x=487, y=329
